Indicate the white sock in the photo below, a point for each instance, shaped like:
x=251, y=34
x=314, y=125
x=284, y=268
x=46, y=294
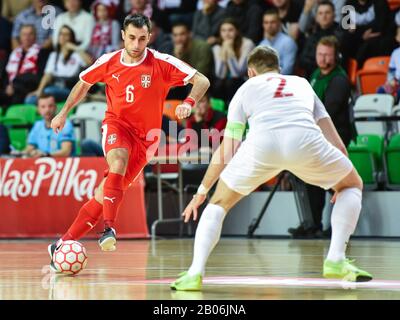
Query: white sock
x=344, y=220
x=207, y=236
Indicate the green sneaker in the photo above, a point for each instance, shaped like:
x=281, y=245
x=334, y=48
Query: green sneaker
x=187, y=283
x=345, y=270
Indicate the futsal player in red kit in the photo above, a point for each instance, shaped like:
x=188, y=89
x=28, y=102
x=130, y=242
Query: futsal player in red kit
x=137, y=82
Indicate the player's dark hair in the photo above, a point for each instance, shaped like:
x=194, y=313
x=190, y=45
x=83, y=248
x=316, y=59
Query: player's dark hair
x=263, y=58
x=138, y=21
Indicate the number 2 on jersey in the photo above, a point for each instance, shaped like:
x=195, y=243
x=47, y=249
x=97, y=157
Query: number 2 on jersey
x=129, y=93
x=279, y=91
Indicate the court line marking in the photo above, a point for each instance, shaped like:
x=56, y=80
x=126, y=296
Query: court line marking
x=254, y=281
x=296, y=282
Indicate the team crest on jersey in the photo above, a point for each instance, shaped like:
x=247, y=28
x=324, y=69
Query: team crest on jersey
x=112, y=138
x=146, y=80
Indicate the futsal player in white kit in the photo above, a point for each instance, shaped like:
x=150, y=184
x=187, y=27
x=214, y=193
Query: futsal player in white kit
x=289, y=129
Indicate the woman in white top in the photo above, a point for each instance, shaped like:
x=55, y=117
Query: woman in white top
x=62, y=68
x=230, y=58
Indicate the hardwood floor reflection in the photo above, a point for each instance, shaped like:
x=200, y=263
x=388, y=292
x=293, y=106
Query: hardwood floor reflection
x=238, y=269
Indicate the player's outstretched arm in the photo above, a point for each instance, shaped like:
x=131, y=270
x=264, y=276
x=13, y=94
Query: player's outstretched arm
x=200, y=86
x=76, y=95
x=219, y=160
x=331, y=134
x=324, y=121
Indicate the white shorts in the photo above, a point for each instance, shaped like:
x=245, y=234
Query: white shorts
x=305, y=153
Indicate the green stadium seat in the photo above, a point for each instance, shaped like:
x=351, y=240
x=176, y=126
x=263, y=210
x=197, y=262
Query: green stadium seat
x=218, y=104
x=25, y=112
x=18, y=136
x=363, y=161
x=366, y=156
x=392, y=163
x=375, y=144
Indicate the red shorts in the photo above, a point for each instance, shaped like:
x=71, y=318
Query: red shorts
x=116, y=136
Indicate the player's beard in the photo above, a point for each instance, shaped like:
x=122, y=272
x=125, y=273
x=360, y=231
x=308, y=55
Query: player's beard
x=135, y=55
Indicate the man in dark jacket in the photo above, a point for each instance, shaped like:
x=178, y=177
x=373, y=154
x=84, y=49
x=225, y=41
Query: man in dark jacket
x=207, y=20
x=374, y=31
x=332, y=86
x=325, y=26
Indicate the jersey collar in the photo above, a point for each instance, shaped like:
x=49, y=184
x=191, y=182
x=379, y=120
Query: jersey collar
x=135, y=63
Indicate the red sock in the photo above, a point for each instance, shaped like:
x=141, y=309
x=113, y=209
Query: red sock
x=87, y=218
x=113, y=193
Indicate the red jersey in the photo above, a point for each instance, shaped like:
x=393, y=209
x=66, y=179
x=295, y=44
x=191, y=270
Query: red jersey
x=136, y=92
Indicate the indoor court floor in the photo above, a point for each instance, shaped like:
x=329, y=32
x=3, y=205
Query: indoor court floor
x=238, y=269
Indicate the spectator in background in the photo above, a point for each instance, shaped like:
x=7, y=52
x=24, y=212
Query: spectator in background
x=25, y=66
x=221, y=3
x=392, y=85
x=333, y=88
x=42, y=140
x=230, y=59
x=207, y=20
x=79, y=20
x=281, y=42
x=289, y=12
x=160, y=40
x=5, y=42
x=248, y=15
x=195, y=52
x=374, y=32
x=106, y=35
x=326, y=26
x=307, y=18
x=204, y=117
x=34, y=16
x=62, y=68
x=148, y=9
x=11, y=8
x=178, y=10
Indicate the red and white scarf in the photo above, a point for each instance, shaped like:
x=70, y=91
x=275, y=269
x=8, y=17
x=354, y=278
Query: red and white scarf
x=101, y=38
x=28, y=65
x=147, y=11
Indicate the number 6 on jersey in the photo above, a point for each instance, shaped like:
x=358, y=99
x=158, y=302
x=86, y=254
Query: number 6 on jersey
x=129, y=93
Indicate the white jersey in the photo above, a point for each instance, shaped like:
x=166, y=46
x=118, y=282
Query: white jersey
x=275, y=101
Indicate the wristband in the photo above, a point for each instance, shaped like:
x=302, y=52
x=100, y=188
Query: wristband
x=202, y=190
x=190, y=101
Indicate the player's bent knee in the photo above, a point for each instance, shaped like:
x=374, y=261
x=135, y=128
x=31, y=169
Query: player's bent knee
x=352, y=180
x=223, y=203
x=226, y=199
